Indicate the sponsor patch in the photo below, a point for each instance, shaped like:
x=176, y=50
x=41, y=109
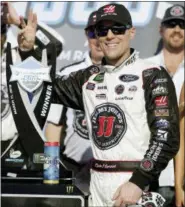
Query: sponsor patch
x=147, y=73
x=99, y=78
x=102, y=87
x=108, y=125
x=132, y=89
x=119, y=89
x=162, y=135
x=161, y=101
x=128, y=77
x=94, y=69
x=162, y=123
x=159, y=90
x=101, y=96
x=147, y=164
x=124, y=98
x=161, y=80
x=90, y=86
x=161, y=112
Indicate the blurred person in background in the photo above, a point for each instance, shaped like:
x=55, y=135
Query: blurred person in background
x=70, y=125
x=179, y=159
x=10, y=142
x=171, y=57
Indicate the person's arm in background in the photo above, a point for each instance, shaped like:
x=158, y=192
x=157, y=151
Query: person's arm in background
x=55, y=122
x=53, y=132
x=179, y=159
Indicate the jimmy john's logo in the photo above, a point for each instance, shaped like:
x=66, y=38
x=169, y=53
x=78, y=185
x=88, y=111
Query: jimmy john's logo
x=128, y=78
x=30, y=74
x=108, y=125
x=147, y=164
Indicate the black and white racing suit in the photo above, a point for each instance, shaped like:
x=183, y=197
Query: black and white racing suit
x=132, y=118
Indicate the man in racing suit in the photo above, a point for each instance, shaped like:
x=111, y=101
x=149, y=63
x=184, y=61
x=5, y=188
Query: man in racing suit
x=131, y=111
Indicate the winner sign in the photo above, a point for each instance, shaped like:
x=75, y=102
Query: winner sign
x=30, y=93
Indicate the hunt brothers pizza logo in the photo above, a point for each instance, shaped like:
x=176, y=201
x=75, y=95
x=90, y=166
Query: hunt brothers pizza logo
x=108, y=125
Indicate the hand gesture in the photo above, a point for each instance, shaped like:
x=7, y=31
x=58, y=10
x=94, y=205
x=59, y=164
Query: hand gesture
x=26, y=37
x=12, y=16
x=127, y=193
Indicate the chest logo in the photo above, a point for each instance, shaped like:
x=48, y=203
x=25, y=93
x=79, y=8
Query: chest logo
x=128, y=78
x=108, y=125
x=119, y=89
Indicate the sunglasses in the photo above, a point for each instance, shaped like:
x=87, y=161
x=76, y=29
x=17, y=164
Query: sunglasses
x=91, y=33
x=174, y=23
x=102, y=31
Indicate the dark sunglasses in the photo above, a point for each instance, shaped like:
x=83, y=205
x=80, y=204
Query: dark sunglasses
x=174, y=23
x=91, y=33
x=102, y=31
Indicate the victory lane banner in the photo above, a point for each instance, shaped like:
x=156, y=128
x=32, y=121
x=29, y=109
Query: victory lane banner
x=30, y=89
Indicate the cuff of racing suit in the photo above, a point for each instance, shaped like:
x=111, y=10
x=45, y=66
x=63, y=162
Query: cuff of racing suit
x=26, y=54
x=141, y=180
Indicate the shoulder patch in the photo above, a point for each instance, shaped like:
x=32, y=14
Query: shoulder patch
x=94, y=69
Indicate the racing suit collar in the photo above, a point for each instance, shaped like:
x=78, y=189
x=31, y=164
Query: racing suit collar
x=130, y=60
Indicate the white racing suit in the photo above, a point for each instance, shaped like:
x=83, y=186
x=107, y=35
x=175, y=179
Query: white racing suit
x=132, y=118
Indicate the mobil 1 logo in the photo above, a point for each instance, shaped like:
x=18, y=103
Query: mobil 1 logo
x=108, y=125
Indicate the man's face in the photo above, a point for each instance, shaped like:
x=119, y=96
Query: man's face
x=114, y=39
x=94, y=46
x=172, y=33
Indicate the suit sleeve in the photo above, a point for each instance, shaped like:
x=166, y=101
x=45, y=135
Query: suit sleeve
x=163, y=121
x=68, y=89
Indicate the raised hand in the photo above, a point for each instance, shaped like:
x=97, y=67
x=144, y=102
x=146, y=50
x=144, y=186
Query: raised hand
x=26, y=37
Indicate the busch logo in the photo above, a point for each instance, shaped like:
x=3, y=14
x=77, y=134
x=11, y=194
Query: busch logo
x=109, y=9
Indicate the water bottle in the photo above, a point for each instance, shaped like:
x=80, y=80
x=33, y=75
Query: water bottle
x=51, y=162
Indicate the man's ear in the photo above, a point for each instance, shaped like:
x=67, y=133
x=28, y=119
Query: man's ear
x=132, y=32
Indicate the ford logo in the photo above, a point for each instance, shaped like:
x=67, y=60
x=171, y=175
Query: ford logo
x=128, y=78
